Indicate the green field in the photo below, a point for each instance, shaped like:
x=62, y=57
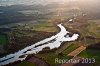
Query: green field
x=45, y=26
x=51, y=56
x=3, y=39
x=70, y=49
x=91, y=53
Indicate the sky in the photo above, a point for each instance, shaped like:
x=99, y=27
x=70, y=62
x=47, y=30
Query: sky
x=30, y=2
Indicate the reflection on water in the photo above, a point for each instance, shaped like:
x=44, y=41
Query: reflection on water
x=52, y=42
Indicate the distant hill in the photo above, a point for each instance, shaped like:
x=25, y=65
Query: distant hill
x=11, y=14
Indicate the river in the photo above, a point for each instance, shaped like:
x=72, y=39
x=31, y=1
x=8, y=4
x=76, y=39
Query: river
x=52, y=42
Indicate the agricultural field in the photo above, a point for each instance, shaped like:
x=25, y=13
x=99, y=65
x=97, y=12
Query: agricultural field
x=36, y=33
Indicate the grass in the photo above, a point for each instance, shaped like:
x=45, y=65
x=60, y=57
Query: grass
x=91, y=53
x=26, y=63
x=94, y=28
x=47, y=26
x=91, y=29
x=70, y=49
x=50, y=58
x=3, y=40
x=90, y=41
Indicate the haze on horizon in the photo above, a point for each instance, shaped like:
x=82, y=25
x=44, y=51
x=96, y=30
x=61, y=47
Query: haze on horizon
x=43, y=2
